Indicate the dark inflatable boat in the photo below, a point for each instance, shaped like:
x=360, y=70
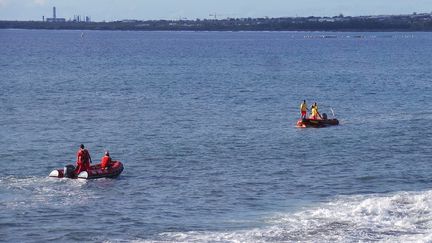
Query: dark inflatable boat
x=317, y=122
x=324, y=122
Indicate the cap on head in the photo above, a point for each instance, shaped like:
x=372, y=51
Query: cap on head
x=107, y=153
x=82, y=146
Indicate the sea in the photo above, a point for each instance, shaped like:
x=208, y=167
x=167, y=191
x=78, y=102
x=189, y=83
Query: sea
x=205, y=125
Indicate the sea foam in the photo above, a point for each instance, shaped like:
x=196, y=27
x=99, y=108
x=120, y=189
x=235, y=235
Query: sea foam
x=398, y=217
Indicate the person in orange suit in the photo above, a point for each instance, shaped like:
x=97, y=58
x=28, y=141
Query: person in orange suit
x=106, y=160
x=83, y=160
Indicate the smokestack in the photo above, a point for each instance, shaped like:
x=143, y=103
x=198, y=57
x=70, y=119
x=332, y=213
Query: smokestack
x=54, y=13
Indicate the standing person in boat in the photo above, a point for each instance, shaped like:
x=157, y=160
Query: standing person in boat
x=106, y=160
x=83, y=160
x=314, y=112
x=303, y=109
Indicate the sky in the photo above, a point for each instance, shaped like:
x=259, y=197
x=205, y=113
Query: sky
x=110, y=10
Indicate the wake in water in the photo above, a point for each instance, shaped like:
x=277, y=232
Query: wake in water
x=398, y=217
x=21, y=193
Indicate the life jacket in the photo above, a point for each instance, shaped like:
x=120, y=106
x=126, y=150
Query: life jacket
x=314, y=107
x=83, y=156
x=106, y=160
x=314, y=111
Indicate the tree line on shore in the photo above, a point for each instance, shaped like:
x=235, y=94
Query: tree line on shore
x=413, y=22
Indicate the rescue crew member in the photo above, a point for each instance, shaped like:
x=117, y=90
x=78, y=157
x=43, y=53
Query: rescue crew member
x=314, y=112
x=106, y=161
x=303, y=109
x=83, y=160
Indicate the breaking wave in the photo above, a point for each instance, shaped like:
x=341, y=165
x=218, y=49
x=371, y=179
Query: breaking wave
x=400, y=217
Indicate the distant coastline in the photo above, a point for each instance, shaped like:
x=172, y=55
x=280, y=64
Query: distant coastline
x=410, y=22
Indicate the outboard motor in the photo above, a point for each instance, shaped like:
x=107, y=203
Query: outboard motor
x=324, y=116
x=69, y=171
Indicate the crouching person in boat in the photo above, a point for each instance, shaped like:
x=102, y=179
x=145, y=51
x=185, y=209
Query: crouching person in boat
x=314, y=112
x=83, y=160
x=106, y=161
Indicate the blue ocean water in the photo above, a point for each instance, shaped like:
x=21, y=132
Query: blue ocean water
x=204, y=123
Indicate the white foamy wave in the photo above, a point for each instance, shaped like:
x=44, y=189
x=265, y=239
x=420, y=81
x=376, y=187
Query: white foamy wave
x=401, y=217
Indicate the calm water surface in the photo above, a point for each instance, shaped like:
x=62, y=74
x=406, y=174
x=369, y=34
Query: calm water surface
x=204, y=123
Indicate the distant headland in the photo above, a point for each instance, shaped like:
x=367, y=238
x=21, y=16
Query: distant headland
x=408, y=22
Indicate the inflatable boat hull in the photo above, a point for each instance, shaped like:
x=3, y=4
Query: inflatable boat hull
x=317, y=123
x=95, y=172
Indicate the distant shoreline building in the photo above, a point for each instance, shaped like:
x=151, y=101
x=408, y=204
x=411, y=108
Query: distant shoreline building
x=79, y=19
x=54, y=18
x=76, y=18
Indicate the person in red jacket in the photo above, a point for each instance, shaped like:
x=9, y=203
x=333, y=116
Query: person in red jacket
x=83, y=160
x=106, y=160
